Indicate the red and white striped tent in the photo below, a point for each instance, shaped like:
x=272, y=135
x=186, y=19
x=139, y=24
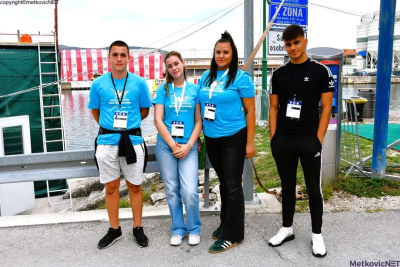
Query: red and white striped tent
x=79, y=65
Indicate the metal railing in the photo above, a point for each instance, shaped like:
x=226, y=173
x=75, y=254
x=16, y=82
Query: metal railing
x=261, y=101
x=350, y=138
x=55, y=166
x=392, y=145
x=81, y=164
x=350, y=143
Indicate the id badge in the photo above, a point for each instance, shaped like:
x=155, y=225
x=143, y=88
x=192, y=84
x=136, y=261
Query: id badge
x=120, y=120
x=293, y=110
x=209, y=111
x=178, y=129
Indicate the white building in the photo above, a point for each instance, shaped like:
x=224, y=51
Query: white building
x=198, y=61
x=367, y=42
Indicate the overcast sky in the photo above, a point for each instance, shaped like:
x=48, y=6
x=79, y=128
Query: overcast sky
x=97, y=23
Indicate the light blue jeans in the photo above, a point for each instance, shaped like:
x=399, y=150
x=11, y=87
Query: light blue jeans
x=180, y=182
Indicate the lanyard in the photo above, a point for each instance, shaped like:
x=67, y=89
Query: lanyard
x=181, y=100
x=214, y=84
x=123, y=90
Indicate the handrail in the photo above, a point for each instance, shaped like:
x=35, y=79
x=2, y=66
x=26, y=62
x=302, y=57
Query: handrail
x=56, y=165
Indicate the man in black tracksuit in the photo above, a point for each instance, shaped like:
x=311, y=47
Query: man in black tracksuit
x=297, y=131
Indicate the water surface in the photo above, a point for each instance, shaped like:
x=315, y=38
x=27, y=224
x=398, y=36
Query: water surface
x=81, y=129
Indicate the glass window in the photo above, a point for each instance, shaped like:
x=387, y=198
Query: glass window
x=190, y=72
x=199, y=72
x=12, y=137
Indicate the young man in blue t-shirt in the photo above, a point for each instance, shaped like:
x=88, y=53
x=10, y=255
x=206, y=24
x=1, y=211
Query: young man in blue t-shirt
x=119, y=101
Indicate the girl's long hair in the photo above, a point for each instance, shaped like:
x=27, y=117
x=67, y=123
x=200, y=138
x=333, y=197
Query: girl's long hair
x=169, y=78
x=233, y=66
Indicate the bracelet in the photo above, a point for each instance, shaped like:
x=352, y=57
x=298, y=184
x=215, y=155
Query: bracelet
x=191, y=146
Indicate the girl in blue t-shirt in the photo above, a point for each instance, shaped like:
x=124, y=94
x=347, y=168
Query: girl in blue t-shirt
x=177, y=118
x=228, y=112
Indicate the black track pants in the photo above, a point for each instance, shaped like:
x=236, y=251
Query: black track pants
x=286, y=151
x=227, y=155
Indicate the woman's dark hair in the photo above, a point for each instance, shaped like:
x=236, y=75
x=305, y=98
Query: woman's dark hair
x=169, y=78
x=233, y=67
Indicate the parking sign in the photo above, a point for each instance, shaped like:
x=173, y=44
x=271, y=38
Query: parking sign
x=288, y=15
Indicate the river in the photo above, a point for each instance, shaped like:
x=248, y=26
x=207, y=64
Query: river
x=81, y=129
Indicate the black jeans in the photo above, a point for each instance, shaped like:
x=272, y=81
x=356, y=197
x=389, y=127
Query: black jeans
x=287, y=150
x=227, y=155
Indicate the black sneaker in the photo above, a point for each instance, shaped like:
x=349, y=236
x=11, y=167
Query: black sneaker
x=140, y=237
x=215, y=234
x=112, y=236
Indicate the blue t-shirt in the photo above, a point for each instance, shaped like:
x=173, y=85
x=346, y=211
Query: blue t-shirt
x=187, y=111
x=102, y=96
x=229, y=116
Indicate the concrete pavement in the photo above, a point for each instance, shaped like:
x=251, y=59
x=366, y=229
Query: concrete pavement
x=349, y=237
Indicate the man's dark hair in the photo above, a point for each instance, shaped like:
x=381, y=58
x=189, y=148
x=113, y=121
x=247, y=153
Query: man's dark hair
x=119, y=43
x=292, y=32
x=233, y=67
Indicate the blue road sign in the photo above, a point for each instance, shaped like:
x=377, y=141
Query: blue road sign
x=292, y=2
x=288, y=15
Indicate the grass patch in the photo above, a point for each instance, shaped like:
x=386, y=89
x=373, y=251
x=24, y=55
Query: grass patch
x=102, y=206
x=374, y=210
x=125, y=203
x=302, y=206
x=366, y=145
x=268, y=185
x=153, y=188
x=327, y=191
x=365, y=187
x=265, y=163
x=361, y=187
x=146, y=197
x=214, y=182
x=395, y=160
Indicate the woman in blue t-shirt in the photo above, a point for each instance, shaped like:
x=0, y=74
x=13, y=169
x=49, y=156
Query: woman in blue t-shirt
x=228, y=112
x=177, y=118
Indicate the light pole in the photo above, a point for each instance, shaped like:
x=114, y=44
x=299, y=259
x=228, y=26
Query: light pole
x=385, y=52
x=264, y=102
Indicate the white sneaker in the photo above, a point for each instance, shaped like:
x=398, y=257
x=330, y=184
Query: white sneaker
x=194, y=240
x=175, y=240
x=318, y=246
x=285, y=234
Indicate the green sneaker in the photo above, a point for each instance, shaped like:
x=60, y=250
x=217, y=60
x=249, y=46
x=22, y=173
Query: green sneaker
x=215, y=234
x=221, y=245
